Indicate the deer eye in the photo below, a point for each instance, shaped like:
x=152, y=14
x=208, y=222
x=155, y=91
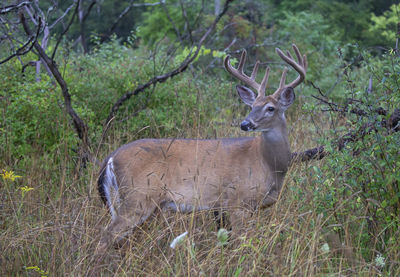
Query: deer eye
x=270, y=109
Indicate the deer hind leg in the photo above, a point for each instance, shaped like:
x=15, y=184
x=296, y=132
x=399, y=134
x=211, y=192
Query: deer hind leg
x=122, y=224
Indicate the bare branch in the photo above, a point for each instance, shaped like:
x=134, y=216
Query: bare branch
x=187, y=25
x=120, y=16
x=38, y=9
x=344, y=109
x=82, y=16
x=22, y=51
x=317, y=153
x=211, y=64
x=369, y=89
x=65, y=30
x=317, y=88
x=31, y=63
x=62, y=16
x=148, y=4
x=29, y=11
x=89, y=9
x=199, y=15
x=79, y=125
x=36, y=21
x=7, y=9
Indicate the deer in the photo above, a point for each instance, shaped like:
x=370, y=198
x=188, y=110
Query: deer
x=237, y=175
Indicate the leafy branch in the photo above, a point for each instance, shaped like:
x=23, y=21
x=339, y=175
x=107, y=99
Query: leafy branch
x=162, y=78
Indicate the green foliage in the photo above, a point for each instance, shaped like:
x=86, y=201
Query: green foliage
x=101, y=18
x=349, y=20
x=361, y=183
x=156, y=26
x=319, y=43
x=112, y=70
x=203, y=52
x=250, y=20
x=32, y=115
x=164, y=21
x=385, y=26
x=242, y=26
x=313, y=27
x=222, y=237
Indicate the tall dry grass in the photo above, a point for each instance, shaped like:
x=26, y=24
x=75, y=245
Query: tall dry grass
x=54, y=229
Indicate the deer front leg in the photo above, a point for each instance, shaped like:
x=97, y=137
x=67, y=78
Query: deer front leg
x=122, y=225
x=270, y=199
x=114, y=233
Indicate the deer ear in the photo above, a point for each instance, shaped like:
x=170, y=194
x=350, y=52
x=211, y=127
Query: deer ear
x=286, y=98
x=246, y=94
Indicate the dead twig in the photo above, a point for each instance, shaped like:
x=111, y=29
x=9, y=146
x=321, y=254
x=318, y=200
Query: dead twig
x=318, y=153
x=80, y=126
x=24, y=49
x=7, y=9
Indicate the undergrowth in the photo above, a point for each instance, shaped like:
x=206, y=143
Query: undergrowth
x=338, y=216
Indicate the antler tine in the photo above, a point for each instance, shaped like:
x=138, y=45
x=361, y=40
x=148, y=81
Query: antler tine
x=235, y=72
x=242, y=61
x=297, y=52
x=250, y=81
x=255, y=69
x=288, y=54
x=264, y=82
x=300, y=67
x=283, y=78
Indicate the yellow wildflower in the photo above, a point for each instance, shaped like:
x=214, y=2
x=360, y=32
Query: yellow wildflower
x=38, y=270
x=9, y=175
x=25, y=189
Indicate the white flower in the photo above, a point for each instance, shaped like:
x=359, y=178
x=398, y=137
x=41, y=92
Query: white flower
x=222, y=237
x=178, y=240
x=380, y=260
x=325, y=248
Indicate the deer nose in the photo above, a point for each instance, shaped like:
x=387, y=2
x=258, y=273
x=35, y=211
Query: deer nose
x=246, y=125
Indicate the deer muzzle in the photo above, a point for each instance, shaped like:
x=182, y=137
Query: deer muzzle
x=247, y=125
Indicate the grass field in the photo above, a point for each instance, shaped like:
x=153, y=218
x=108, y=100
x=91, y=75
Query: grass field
x=52, y=217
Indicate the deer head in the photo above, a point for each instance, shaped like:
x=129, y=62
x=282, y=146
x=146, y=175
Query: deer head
x=267, y=111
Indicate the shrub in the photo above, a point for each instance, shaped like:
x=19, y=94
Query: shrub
x=358, y=188
x=32, y=114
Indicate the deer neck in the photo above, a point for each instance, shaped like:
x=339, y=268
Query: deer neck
x=275, y=149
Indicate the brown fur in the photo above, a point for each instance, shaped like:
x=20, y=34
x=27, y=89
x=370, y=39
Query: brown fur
x=237, y=174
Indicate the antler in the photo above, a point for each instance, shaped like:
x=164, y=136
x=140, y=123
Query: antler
x=250, y=81
x=300, y=67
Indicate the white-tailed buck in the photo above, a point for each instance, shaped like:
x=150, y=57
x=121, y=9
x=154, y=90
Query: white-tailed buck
x=236, y=175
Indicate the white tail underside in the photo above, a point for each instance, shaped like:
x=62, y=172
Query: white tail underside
x=110, y=186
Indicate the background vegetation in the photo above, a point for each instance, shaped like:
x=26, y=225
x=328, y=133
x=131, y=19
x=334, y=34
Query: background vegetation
x=337, y=216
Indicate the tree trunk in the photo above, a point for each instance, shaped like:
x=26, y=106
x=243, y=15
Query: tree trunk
x=217, y=7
